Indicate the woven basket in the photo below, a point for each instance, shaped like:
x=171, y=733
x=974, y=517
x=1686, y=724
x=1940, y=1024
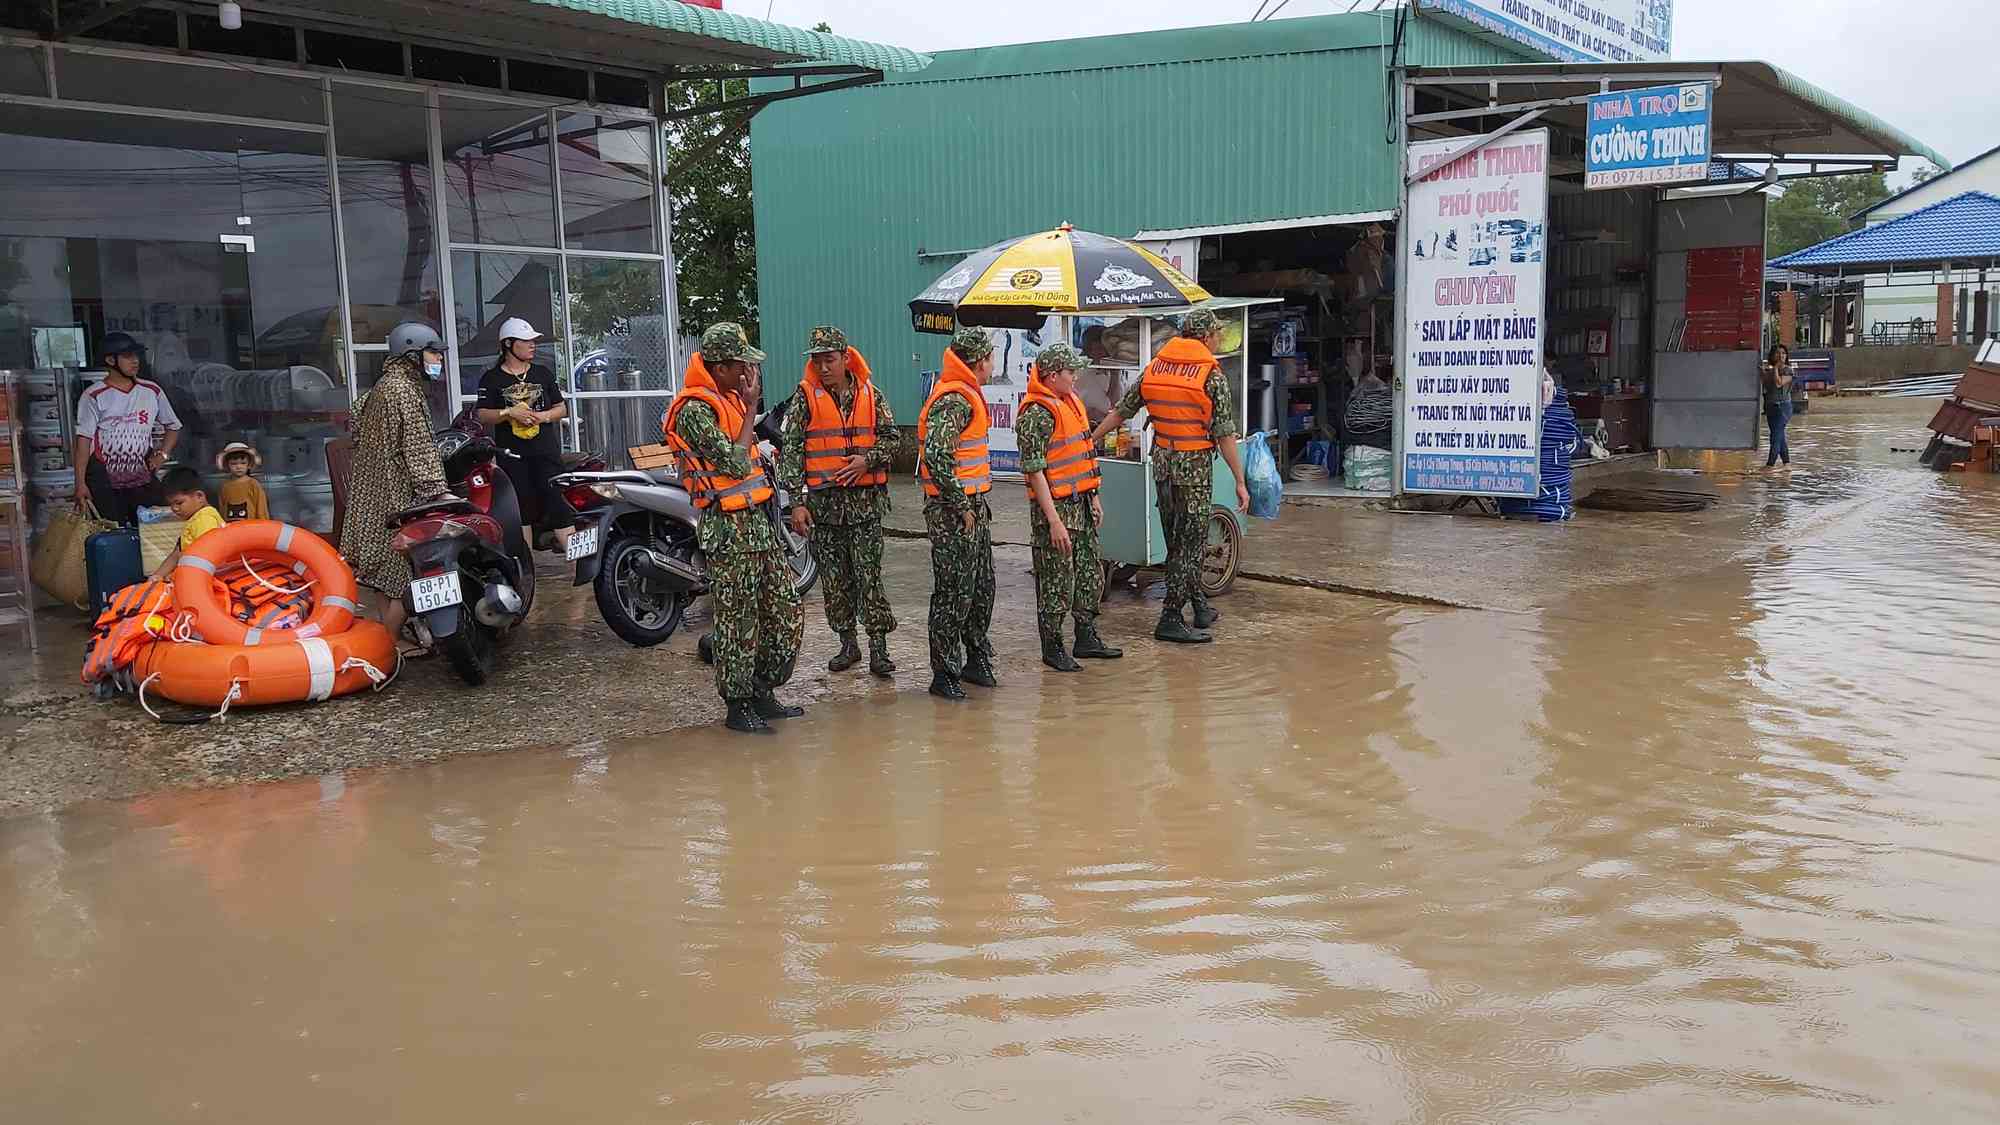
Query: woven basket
x=58, y=566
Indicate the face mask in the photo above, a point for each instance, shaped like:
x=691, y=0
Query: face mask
x=433, y=370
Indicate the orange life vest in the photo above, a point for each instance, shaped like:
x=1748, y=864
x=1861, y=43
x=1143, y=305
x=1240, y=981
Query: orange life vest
x=1175, y=387
x=832, y=438
x=1072, y=463
x=975, y=463
x=705, y=484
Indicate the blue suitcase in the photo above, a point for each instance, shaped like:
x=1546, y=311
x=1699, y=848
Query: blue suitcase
x=111, y=563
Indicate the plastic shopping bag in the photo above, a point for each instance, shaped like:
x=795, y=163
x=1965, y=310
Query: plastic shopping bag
x=1260, y=475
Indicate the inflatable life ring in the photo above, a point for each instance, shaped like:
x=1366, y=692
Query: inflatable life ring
x=304, y=670
x=195, y=588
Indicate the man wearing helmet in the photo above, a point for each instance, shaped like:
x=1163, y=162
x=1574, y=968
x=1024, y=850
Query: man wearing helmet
x=522, y=402
x=395, y=464
x=115, y=422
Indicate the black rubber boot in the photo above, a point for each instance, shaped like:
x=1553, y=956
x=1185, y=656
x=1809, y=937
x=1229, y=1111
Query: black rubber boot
x=1090, y=646
x=767, y=706
x=1203, y=615
x=945, y=686
x=1175, y=630
x=1057, y=657
x=848, y=656
x=705, y=648
x=979, y=670
x=744, y=717
x=879, y=663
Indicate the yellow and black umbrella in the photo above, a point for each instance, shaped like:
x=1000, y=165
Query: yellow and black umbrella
x=1015, y=284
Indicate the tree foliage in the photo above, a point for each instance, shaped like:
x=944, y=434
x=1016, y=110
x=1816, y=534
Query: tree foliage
x=708, y=185
x=1812, y=211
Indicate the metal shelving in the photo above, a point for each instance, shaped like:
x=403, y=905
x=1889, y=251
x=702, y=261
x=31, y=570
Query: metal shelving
x=17, y=600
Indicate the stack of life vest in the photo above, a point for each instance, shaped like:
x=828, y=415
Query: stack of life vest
x=256, y=612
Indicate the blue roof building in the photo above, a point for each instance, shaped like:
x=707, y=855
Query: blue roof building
x=1962, y=232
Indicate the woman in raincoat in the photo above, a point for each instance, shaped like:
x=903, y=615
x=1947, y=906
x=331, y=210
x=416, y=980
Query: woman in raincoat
x=395, y=465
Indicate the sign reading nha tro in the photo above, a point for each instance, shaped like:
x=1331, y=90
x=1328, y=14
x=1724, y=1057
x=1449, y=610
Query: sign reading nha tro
x=1639, y=138
x=1475, y=240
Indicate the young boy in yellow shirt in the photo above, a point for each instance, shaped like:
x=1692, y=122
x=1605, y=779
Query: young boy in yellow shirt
x=189, y=501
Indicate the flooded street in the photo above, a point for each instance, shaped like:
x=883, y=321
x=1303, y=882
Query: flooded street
x=1720, y=848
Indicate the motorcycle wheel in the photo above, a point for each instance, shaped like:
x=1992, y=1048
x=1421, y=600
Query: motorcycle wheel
x=469, y=651
x=799, y=559
x=639, y=618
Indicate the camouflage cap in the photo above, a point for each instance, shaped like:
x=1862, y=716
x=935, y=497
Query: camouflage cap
x=727, y=341
x=1201, y=322
x=1061, y=357
x=972, y=344
x=826, y=338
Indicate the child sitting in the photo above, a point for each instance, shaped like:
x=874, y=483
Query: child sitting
x=189, y=501
x=242, y=496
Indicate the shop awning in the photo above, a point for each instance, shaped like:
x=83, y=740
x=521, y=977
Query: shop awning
x=1963, y=231
x=649, y=35
x=1761, y=113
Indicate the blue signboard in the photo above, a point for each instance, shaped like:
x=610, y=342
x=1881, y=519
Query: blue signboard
x=1640, y=138
x=1570, y=30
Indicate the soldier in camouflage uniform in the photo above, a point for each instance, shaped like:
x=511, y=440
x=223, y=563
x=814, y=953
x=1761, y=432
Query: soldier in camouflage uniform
x=1189, y=472
x=1069, y=579
x=960, y=525
x=844, y=519
x=757, y=617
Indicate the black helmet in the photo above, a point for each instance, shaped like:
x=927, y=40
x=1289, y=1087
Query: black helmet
x=413, y=336
x=120, y=343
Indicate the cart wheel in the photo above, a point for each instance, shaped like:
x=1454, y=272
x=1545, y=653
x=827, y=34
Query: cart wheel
x=1224, y=554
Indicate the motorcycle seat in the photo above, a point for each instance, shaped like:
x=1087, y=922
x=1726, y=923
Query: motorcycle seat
x=443, y=505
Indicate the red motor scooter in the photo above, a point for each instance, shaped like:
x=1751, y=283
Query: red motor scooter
x=472, y=575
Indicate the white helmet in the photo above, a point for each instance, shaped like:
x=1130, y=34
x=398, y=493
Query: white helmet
x=514, y=328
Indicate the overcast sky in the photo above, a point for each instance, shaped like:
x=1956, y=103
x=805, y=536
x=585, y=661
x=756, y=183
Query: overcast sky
x=1926, y=66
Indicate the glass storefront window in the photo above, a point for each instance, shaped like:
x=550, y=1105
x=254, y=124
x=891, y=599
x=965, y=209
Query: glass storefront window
x=621, y=330
x=489, y=287
x=204, y=89
x=499, y=188
x=607, y=183
x=210, y=243
x=21, y=72
x=386, y=208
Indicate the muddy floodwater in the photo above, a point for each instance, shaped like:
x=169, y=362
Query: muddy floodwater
x=1714, y=849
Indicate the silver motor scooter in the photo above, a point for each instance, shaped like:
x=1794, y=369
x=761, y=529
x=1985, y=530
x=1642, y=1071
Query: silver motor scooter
x=636, y=544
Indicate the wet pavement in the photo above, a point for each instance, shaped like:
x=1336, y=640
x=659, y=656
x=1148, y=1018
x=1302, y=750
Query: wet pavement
x=1714, y=844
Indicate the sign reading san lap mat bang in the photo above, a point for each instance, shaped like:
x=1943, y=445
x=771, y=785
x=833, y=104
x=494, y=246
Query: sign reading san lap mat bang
x=1642, y=138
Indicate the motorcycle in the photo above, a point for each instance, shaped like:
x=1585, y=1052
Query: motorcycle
x=636, y=544
x=472, y=575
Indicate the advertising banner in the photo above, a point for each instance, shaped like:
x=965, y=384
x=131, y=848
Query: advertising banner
x=1475, y=244
x=1571, y=30
x=1640, y=138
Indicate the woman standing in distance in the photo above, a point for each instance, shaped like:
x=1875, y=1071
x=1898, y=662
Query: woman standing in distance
x=1778, y=377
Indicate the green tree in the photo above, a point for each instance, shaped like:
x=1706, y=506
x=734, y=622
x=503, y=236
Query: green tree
x=708, y=184
x=1812, y=211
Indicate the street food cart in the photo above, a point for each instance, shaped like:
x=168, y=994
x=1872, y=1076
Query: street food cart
x=1131, y=536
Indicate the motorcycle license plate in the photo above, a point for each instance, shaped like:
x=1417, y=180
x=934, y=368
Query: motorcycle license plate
x=582, y=545
x=435, y=592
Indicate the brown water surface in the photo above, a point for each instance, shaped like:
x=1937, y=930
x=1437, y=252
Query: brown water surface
x=1722, y=850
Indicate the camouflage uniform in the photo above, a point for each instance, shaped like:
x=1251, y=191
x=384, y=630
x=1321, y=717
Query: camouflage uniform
x=1065, y=585
x=847, y=522
x=757, y=618
x=1188, y=493
x=961, y=563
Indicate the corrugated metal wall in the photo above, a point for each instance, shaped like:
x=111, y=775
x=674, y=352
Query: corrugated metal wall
x=864, y=196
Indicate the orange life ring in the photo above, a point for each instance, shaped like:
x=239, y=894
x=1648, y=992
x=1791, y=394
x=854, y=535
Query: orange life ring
x=310, y=670
x=195, y=588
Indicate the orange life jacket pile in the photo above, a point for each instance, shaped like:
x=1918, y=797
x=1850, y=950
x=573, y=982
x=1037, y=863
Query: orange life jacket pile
x=256, y=612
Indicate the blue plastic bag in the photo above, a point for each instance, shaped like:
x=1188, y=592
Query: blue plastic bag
x=1260, y=476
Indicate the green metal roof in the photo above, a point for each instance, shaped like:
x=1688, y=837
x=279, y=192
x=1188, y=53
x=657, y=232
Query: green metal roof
x=1862, y=121
x=765, y=42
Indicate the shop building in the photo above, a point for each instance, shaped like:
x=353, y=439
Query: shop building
x=1270, y=160
x=260, y=204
